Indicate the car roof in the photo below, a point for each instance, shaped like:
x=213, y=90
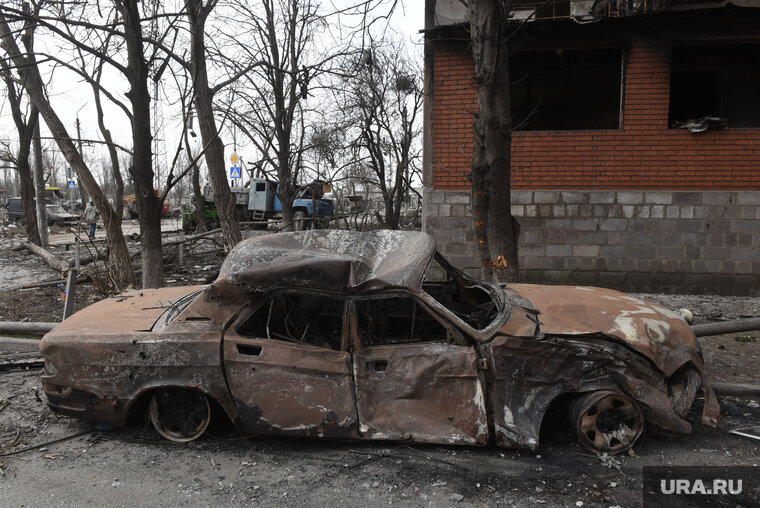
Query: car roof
x=348, y=262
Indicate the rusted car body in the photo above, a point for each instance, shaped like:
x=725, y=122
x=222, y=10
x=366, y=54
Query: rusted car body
x=338, y=334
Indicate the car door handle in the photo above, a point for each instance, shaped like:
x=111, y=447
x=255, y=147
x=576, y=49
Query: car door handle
x=377, y=365
x=245, y=349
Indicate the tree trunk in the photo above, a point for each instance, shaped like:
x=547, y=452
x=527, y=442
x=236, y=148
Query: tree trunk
x=26, y=129
x=225, y=202
x=29, y=73
x=148, y=204
x=496, y=230
x=199, y=201
x=286, y=191
x=39, y=184
x=25, y=179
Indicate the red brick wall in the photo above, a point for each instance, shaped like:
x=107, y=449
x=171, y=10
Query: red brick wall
x=643, y=154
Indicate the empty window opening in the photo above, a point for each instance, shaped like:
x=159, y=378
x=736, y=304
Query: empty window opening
x=719, y=80
x=396, y=321
x=544, y=9
x=569, y=89
x=471, y=303
x=467, y=299
x=303, y=319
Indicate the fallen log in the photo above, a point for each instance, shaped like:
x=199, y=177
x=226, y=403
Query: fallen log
x=52, y=261
x=26, y=327
x=723, y=327
x=59, y=264
x=737, y=390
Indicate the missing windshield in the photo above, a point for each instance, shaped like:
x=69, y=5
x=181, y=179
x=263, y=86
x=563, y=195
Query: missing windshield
x=472, y=302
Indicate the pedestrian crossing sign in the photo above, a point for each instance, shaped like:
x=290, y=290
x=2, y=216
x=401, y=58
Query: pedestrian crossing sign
x=72, y=184
x=235, y=172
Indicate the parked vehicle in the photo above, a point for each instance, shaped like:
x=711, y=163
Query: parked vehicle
x=56, y=215
x=259, y=202
x=353, y=204
x=53, y=196
x=75, y=208
x=130, y=207
x=189, y=220
x=338, y=334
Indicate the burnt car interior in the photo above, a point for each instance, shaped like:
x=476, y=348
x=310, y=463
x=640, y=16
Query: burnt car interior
x=317, y=321
x=396, y=321
x=304, y=319
x=462, y=296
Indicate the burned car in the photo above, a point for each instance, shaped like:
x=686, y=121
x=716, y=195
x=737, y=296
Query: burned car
x=340, y=334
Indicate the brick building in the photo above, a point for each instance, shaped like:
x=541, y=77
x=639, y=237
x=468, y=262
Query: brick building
x=615, y=180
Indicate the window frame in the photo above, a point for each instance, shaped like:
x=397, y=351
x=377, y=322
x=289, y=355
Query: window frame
x=721, y=94
x=252, y=307
x=621, y=74
x=453, y=335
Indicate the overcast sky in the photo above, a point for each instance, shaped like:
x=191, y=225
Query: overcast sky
x=71, y=97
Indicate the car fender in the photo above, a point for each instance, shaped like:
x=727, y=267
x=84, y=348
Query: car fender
x=526, y=375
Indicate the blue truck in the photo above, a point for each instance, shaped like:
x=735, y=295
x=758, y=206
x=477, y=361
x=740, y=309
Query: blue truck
x=258, y=202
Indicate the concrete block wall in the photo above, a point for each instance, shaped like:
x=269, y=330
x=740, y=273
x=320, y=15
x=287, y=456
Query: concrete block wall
x=664, y=241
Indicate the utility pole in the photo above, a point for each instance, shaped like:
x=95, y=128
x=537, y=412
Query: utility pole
x=39, y=187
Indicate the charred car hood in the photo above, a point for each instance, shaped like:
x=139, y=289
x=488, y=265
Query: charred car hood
x=661, y=335
x=131, y=311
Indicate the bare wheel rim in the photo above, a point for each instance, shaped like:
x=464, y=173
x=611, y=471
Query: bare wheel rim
x=179, y=415
x=607, y=421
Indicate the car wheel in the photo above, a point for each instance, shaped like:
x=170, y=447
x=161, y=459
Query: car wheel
x=54, y=223
x=178, y=414
x=299, y=220
x=607, y=421
x=682, y=389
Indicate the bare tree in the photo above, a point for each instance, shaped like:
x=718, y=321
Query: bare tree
x=131, y=41
x=270, y=97
x=149, y=205
x=495, y=229
x=28, y=73
x=197, y=15
x=25, y=127
x=383, y=98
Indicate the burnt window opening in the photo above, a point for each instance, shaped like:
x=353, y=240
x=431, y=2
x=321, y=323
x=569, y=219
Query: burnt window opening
x=470, y=303
x=467, y=299
x=396, y=321
x=573, y=89
x=302, y=319
x=551, y=9
x=717, y=80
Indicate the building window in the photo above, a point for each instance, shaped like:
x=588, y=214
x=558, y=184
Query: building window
x=720, y=80
x=569, y=89
x=542, y=9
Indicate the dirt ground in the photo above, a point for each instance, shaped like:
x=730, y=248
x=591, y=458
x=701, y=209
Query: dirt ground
x=136, y=467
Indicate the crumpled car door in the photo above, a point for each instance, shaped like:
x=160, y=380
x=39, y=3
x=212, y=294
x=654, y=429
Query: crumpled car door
x=285, y=388
x=426, y=392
